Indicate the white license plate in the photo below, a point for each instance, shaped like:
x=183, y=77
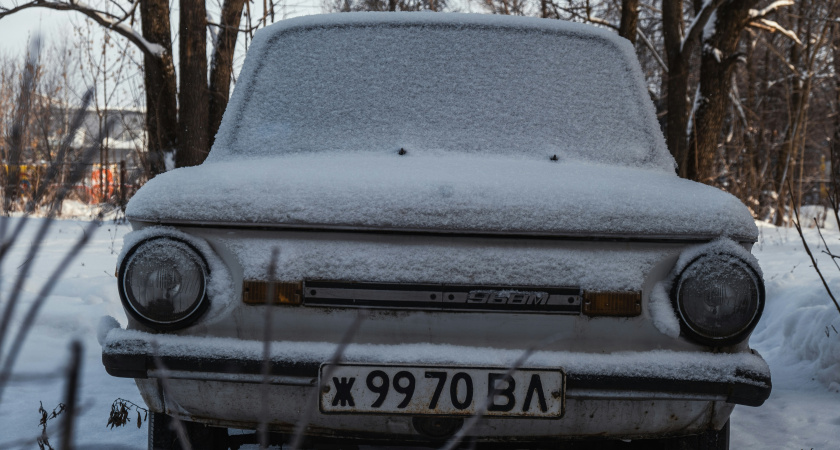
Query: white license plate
x=449, y=391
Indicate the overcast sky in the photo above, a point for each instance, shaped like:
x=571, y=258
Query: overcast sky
x=57, y=27
x=16, y=29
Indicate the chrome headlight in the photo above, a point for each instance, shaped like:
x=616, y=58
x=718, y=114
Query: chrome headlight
x=163, y=283
x=719, y=299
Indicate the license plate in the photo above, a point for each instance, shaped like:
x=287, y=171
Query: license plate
x=448, y=391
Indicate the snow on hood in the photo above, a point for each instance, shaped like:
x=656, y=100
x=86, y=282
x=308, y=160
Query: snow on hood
x=444, y=193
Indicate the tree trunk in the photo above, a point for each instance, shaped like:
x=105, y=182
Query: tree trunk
x=717, y=61
x=678, y=61
x=679, y=50
x=629, y=20
x=752, y=139
x=222, y=64
x=787, y=160
x=193, y=117
x=161, y=91
x=834, y=178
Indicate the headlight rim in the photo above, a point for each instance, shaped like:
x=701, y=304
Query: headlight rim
x=199, y=310
x=697, y=335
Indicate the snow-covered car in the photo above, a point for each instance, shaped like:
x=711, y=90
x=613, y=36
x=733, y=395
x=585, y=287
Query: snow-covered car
x=417, y=227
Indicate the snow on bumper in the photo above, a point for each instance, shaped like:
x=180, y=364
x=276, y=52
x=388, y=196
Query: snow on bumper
x=739, y=378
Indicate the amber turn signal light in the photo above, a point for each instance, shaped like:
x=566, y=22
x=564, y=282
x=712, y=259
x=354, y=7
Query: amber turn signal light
x=612, y=303
x=258, y=292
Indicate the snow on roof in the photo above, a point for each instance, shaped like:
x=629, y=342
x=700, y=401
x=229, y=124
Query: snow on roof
x=453, y=83
x=444, y=193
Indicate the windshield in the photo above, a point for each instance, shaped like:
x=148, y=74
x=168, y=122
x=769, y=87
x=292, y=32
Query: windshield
x=441, y=87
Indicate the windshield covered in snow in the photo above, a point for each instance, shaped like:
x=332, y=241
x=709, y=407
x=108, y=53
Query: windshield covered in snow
x=478, y=85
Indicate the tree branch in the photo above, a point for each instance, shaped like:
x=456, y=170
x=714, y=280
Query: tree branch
x=772, y=27
x=652, y=49
x=757, y=14
x=697, y=25
x=808, y=249
x=601, y=21
x=105, y=19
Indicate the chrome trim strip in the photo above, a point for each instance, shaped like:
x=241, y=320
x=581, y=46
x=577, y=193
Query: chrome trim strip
x=511, y=299
x=230, y=377
x=596, y=394
x=392, y=295
x=587, y=236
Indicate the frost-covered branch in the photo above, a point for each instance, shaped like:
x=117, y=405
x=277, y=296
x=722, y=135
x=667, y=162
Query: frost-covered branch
x=773, y=26
x=697, y=25
x=652, y=49
x=601, y=21
x=783, y=59
x=103, y=18
x=759, y=13
x=739, y=107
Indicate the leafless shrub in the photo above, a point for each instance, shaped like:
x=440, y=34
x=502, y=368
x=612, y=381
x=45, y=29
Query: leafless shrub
x=827, y=251
x=12, y=340
x=338, y=354
x=177, y=425
x=43, y=439
x=119, y=413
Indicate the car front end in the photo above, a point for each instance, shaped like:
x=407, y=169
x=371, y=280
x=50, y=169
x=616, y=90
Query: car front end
x=379, y=251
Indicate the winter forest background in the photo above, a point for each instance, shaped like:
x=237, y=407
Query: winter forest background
x=746, y=91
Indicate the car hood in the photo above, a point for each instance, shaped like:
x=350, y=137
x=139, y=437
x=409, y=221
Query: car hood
x=443, y=194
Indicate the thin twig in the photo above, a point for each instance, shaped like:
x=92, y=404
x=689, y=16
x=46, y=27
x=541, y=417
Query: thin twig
x=66, y=143
x=76, y=174
x=29, y=319
x=479, y=413
x=71, y=392
x=32, y=313
x=833, y=199
x=808, y=249
x=303, y=423
x=262, y=428
x=652, y=49
x=28, y=443
x=15, y=149
x=827, y=251
x=27, y=87
x=163, y=372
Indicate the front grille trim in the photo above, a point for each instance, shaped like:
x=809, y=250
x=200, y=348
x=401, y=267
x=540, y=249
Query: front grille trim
x=443, y=297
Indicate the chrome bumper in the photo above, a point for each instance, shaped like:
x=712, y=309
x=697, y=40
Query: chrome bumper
x=740, y=378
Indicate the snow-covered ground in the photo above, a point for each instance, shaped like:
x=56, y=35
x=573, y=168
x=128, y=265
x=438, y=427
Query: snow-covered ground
x=798, y=335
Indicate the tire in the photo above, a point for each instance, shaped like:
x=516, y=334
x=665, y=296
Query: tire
x=162, y=435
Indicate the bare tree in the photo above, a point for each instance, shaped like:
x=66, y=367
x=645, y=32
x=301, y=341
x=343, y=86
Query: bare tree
x=719, y=55
x=221, y=66
x=387, y=5
x=629, y=20
x=680, y=43
x=188, y=130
